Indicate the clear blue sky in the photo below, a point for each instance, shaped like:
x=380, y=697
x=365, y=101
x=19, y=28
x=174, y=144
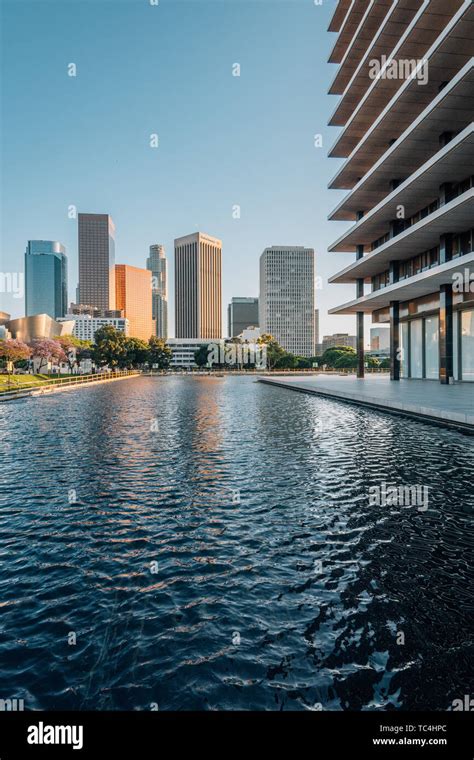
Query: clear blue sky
x=223, y=140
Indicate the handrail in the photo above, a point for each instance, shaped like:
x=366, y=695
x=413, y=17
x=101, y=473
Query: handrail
x=73, y=380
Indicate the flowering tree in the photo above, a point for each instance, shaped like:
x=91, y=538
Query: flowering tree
x=47, y=350
x=13, y=351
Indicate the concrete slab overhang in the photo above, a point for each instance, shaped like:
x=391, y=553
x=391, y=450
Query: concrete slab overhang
x=375, y=11
x=417, y=286
x=387, y=99
x=394, y=27
x=371, y=163
x=339, y=15
x=452, y=163
x=349, y=27
x=456, y=216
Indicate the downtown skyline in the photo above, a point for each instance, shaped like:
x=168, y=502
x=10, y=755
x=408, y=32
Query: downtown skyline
x=137, y=185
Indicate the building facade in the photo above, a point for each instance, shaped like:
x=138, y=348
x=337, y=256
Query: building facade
x=338, y=339
x=157, y=264
x=184, y=349
x=96, y=245
x=286, y=304
x=316, y=331
x=86, y=326
x=406, y=110
x=241, y=314
x=198, y=287
x=133, y=299
x=38, y=326
x=45, y=278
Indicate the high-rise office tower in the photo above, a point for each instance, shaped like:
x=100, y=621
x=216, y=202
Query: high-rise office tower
x=45, y=278
x=156, y=263
x=97, y=260
x=406, y=161
x=198, y=286
x=133, y=288
x=316, y=330
x=286, y=303
x=241, y=313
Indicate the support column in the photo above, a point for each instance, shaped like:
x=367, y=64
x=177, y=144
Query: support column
x=360, y=321
x=445, y=248
x=394, y=340
x=446, y=366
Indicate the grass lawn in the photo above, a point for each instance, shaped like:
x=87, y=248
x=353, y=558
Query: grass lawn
x=18, y=381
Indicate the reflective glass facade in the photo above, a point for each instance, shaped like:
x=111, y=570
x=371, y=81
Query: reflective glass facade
x=45, y=278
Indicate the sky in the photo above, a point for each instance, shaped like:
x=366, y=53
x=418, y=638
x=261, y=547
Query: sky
x=223, y=141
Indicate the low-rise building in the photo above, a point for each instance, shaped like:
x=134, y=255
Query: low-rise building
x=339, y=339
x=183, y=350
x=85, y=327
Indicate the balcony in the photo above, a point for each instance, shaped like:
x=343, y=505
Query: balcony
x=419, y=285
x=401, y=103
x=421, y=189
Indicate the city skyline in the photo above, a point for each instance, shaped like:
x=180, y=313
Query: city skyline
x=246, y=206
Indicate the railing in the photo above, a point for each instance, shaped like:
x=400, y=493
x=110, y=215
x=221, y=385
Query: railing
x=18, y=388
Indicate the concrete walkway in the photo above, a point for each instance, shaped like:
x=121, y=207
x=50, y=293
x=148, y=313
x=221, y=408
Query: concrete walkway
x=451, y=405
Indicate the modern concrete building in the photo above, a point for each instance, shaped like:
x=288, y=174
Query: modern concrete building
x=86, y=326
x=286, y=304
x=133, y=298
x=96, y=260
x=38, y=326
x=183, y=350
x=157, y=264
x=338, y=339
x=45, y=278
x=241, y=314
x=198, y=286
x=406, y=109
x=316, y=331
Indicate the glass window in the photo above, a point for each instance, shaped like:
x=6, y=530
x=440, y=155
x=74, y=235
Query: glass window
x=455, y=345
x=432, y=347
x=416, y=348
x=467, y=345
x=404, y=349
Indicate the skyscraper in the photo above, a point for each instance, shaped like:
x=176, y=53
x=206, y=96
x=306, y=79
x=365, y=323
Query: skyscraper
x=133, y=288
x=97, y=260
x=156, y=263
x=316, y=330
x=46, y=278
x=286, y=303
x=198, y=286
x=241, y=313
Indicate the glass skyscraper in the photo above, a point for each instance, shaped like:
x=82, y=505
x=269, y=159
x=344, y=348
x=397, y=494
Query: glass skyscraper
x=45, y=278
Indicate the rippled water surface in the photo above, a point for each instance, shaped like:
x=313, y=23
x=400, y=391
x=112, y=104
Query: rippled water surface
x=182, y=597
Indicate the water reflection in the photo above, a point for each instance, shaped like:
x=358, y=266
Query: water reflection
x=293, y=596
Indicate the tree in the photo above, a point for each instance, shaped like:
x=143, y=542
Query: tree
x=137, y=353
x=47, y=350
x=346, y=361
x=110, y=347
x=274, y=351
x=385, y=363
x=71, y=346
x=159, y=353
x=331, y=355
x=201, y=356
x=12, y=351
x=287, y=361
